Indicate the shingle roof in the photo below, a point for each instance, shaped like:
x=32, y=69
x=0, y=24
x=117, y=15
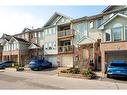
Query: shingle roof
x=97, y=16
x=21, y=40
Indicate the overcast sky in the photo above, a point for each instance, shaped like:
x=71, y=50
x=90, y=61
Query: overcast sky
x=13, y=19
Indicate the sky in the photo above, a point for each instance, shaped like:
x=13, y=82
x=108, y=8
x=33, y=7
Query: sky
x=13, y=19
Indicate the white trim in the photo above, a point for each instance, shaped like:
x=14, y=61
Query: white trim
x=109, y=20
x=13, y=38
x=56, y=14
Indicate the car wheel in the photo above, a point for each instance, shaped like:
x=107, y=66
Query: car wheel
x=108, y=76
x=32, y=69
x=39, y=68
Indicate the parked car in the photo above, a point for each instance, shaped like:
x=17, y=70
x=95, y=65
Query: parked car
x=39, y=64
x=7, y=63
x=117, y=68
x=2, y=66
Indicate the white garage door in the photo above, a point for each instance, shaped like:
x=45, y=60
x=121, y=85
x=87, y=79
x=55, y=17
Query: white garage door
x=53, y=59
x=67, y=60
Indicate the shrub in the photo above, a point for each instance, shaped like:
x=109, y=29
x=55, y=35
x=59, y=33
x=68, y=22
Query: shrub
x=88, y=73
x=19, y=68
x=75, y=71
x=71, y=70
x=14, y=65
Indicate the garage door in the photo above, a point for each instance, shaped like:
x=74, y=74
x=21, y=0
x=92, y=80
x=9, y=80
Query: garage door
x=53, y=59
x=116, y=55
x=67, y=60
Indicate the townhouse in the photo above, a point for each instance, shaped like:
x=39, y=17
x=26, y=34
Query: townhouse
x=57, y=40
x=100, y=38
x=15, y=49
x=64, y=41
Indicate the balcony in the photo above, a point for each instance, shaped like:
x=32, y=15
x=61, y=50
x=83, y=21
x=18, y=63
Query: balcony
x=65, y=33
x=66, y=49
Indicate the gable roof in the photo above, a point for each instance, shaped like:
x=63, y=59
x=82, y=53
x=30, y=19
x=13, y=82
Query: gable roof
x=19, y=39
x=26, y=30
x=54, y=16
x=98, y=15
x=110, y=19
x=110, y=7
x=33, y=46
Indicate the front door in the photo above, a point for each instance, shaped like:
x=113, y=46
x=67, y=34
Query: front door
x=85, y=56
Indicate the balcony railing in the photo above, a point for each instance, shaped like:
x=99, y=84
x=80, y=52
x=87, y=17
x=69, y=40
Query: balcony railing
x=65, y=49
x=65, y=33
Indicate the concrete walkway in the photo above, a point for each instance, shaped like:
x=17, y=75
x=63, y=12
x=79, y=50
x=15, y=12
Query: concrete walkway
x=65, y=83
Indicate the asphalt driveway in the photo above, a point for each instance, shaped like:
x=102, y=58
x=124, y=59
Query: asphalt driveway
x=50, y=71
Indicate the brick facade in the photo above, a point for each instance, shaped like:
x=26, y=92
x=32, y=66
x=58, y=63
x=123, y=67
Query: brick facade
x=119, y=47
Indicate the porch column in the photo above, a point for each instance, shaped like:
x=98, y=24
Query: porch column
x=93, y=54
x=2, y=57
x=103, y=63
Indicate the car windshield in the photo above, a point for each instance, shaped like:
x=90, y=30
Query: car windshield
x=118, y=65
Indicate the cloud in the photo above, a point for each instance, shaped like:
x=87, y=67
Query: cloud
x=15, y=22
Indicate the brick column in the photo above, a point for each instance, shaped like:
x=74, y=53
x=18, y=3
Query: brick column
x=102, y=61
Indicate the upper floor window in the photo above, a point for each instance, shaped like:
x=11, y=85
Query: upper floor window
x=35, y=34
x=108, y=37
x=54, y=30
x=46, y=32
x=125, y=32
x=91, y=24
x=63, y=20
x=50, y=31
x=39, y=34
x=79, y=27
x=54, y=45
x=46, y=46
x=117, y=33
x=43, y=34
x=98, y=22
x=50, y=45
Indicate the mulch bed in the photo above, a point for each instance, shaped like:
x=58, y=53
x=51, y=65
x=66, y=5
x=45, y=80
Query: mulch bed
x=79, y=76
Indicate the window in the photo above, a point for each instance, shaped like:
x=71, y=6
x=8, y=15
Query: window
x=17, y=45
x=45, y=31
x=63, y=20
x=79, y=27
x=117, y=34
x=14, y=46
x=107, y=37
x=50, y=31
x=98, y=22
x=46, y=46
x=91, y=24
x=67, y=43
x=125, y=12
x=126, y=32
x=54, y=30
x=43, y=34
x=54, y=45
x=39, y=34
x=35, y=34
x=50, y=45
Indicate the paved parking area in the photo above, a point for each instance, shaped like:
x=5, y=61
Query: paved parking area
x=25, y=80
x=54, y=72
x=117, y=80
x=51, y=71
